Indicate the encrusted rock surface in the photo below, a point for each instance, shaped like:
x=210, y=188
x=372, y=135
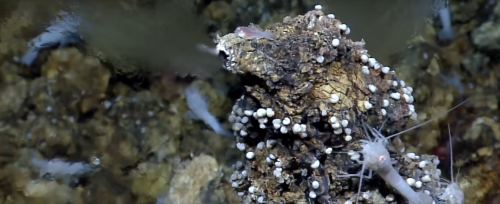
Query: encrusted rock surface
x=307, y=93
x=73, y=108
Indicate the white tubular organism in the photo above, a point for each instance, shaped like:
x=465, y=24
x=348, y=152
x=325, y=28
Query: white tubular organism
x=452, y=194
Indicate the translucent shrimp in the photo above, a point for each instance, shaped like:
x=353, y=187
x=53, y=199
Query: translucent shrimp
x=452, y=194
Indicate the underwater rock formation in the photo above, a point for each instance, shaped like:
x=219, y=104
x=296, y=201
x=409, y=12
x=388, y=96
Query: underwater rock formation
x=309, y=90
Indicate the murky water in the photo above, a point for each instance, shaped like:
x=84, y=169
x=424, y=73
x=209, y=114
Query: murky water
x=385, y=25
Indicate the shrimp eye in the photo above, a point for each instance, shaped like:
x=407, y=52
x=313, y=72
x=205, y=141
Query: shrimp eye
x=381, y=159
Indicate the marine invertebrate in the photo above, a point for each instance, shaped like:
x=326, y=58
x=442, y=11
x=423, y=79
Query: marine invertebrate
x=57, y=168
x=307, y=93
x=452, y=194
x=377, y=158
x=62, y=32
x=446, y=33
x=198, y=106
x=252, y=33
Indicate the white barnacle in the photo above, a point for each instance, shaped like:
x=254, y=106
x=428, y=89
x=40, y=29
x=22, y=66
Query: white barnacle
x=312, y=194
x=244, y=120
x=261, y=112
x=262, y=126
x=408, y=98
x=262, y=120
x=315, y=184
x=411, y=155
x=386, y=70
x=239, y=111
x=365, y=69
x=422, y=164
x=276, y=123
x=248, y=112
x=320, y=59
x=250, y=155
x=372, y=88
x=395, y=83
x=426, y=178
x=315, y=164
x=411, y=109
x=418, y=184
x=278, y=163
x=368, y=105
x=410, y=89
x=343, y=27
x=355, y=157
x=283, y=130
x=286, y=121
x=261, y=145
x=328, y=150
x=270, y=143
x=389, y=198
x=336, y=125
x=347, y=31
x=403, y=84
x=334, y=98
x=410, y=181
x=333, y=119
x=296, y=128
x=303, y=128
x=364, y=58
x=385, y=103
x=335, y=42
x=251, y=189
x=395, y=96
x=237, y=126
x=347, y=131
x=372, y=61
x=337, y=131
x=241, y=146
x=269, y=112
x=344, y=123
x=277, y=172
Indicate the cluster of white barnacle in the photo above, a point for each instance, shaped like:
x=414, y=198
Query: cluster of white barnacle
x=237, y=179
x=341, y=126
x=370, y=62
x=405, y=93
x=429, y=169
x=241, y=120
x=343, y=28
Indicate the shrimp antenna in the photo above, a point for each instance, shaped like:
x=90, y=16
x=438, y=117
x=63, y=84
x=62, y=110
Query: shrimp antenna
x=424, y=123
x=451, y=153
x=382, y=126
